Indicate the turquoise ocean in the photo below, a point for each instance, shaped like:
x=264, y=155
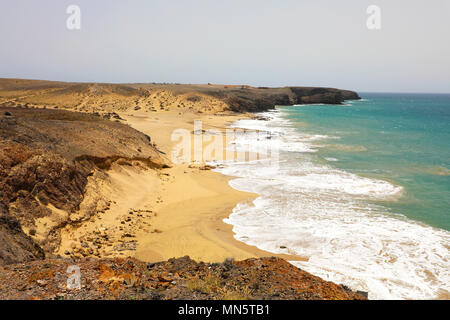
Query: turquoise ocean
x=361, y=190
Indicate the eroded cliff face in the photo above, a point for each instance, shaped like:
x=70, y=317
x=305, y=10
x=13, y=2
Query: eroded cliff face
x=15, y=245
x=322, y=95
x=46, y=159
x=262, y=99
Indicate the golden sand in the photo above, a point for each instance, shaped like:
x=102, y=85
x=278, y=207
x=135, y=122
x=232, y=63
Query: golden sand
x=175, y=212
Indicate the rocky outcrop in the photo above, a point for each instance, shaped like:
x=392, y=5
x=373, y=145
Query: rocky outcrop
x=263, y=99
x=15, y=245
x=46, y=158
x=322, y=95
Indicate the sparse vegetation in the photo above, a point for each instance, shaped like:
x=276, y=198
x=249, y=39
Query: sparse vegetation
x=208, y=284
x=243, y=293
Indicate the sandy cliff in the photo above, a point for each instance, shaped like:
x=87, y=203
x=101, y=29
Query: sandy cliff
x=47, y=158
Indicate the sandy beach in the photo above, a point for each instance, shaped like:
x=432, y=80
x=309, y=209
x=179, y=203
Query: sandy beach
x=173, y=212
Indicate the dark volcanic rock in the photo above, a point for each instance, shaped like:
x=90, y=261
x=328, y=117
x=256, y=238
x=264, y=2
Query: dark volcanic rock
x=250, y=99
x=322, y=95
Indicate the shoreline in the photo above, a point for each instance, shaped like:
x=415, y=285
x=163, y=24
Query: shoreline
x=214, y=238
x=251, y=223
x=188, y=204
x=214, y=234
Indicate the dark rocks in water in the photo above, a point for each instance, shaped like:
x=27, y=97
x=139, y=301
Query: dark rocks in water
x=261, y=118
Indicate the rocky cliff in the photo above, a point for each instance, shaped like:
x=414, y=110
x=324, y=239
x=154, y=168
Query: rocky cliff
x=46, y=158
x=262, y=99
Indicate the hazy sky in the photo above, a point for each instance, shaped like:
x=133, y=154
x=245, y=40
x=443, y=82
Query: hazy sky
x=261, y=42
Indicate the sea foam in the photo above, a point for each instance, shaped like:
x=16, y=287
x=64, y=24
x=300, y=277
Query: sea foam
x=332, y=217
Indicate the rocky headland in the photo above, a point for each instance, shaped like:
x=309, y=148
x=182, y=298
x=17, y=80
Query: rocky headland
x=98, y=97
